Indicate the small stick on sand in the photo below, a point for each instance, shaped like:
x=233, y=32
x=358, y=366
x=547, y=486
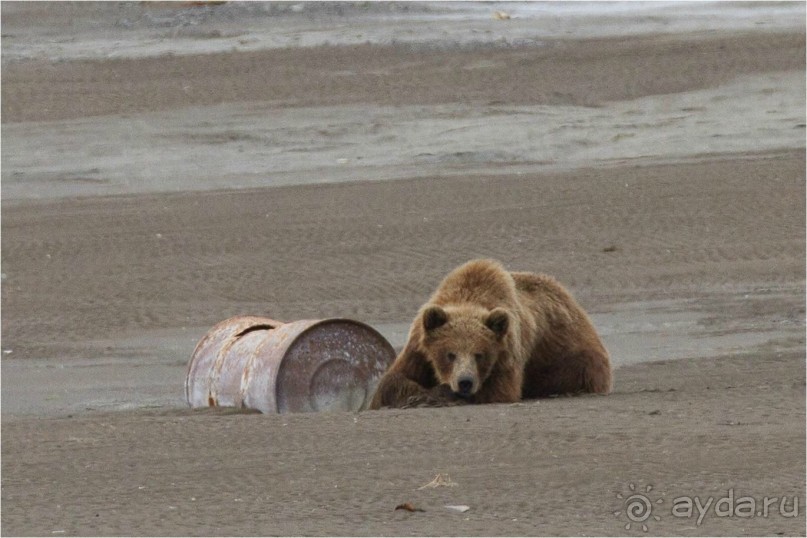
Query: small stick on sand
x=442, y=479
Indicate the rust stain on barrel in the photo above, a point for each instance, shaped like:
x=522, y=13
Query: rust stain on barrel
x=203, y=362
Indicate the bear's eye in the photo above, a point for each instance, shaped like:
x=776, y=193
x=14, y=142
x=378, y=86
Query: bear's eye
x=479, y=356
x=451, y=357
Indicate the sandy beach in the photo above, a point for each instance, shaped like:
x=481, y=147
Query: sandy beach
x=166, y=166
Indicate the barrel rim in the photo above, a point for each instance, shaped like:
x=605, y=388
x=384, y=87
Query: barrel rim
x=319, y=322
x=316, y=323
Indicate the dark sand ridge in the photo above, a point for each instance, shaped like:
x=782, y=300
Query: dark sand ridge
x=560, y=73
x=84, y=270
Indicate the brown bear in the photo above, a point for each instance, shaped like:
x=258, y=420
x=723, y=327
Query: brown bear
x=491, y=336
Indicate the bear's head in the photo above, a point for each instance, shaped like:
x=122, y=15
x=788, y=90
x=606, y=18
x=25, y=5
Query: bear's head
x=463, y=344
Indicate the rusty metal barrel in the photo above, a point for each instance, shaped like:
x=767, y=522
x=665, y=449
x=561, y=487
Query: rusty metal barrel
x=302, y=366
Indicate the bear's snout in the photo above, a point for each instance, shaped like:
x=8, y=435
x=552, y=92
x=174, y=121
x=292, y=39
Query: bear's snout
x=465, y=386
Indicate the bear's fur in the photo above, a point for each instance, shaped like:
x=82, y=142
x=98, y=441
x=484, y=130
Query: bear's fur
x=490, y=336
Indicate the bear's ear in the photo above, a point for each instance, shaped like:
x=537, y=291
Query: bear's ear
x=434, y=317
x=498, y=321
